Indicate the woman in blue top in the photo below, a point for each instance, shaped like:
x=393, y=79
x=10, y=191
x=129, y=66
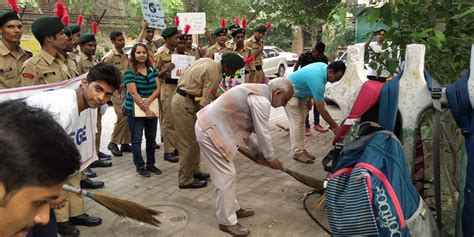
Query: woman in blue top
x=143, y=86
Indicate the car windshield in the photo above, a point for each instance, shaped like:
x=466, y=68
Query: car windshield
x=278, y=50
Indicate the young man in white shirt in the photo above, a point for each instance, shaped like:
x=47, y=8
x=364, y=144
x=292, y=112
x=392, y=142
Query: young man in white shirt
x=66, y=106
x=376, y=47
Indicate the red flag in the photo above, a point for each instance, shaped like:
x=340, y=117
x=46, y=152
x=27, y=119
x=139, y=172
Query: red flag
x=249, y=59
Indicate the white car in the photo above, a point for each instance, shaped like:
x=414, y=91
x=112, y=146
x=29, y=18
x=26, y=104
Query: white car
x=291, y=58
x=274, y=63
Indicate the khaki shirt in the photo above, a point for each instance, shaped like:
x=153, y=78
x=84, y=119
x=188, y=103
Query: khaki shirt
x=75, y=54
x=85, y=63
x=159, y=42
x=151, y=47
x=10, y=66
x=229, y=44
x=119, y=60
x=162, y=58
x=254, y=45
x=202, y=79
x=43, y=69
x=194, y=52
x=245, y=53
x=216, y=48
x=71, y=65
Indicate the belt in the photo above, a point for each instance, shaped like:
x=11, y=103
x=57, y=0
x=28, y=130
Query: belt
x=185, y=94
x=171, y=81
x=258, y=67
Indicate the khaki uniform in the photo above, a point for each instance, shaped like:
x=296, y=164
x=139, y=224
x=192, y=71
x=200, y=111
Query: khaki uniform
x=216, y=48
x=43, y=69
x=10, y=66
x=75, y=54
x=121, y=133
x=200, y=80
x=71, y=65
x=194, y=52
x=159, y=42
x=230, y=44
x=83, y=66
x=151, y=47
x=74, y=205
x=245, y=53
x=168, y=87
x=257, y=75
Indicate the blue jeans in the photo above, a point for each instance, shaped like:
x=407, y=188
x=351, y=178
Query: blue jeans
x=316, y=118
x=136, y=126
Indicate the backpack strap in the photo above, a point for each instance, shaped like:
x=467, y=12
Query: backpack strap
x=388, y=103
x=368, y=96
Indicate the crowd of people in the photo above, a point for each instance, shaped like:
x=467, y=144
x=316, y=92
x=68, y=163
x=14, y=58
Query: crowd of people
x=210, y=124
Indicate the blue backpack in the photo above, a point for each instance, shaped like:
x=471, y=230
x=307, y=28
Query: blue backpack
x=370, y=192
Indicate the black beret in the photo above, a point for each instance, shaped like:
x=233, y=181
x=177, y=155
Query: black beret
x=238, y=30
x=262, y=28
x=74, y=29
x=233, y=60
x=68, y=31
x=47, y=26
x=233, y=26
x=8, y=16
x=87, y=37
x=169, y=31
x=219, y=31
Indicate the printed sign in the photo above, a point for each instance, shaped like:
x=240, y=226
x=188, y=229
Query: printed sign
x=181, y=63
x=153, y=13
x=197, y=21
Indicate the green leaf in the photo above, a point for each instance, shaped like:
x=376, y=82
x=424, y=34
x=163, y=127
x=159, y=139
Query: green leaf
x=461, y=15
x=373, y=65
x=392, y=65
x=440, y=35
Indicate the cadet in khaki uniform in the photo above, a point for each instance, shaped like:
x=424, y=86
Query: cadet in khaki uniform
x=230, y=43
x=121, y=134
x=238, y=37
x=12, y=56
x=200, y=80
x=75, y=35
x=256, y=44
x=219, y=47
x=164, y=66
x=67, y=58
x=147, y=36
x=47, y=67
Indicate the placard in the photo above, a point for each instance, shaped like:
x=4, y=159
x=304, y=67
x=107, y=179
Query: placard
x=153, y=13
x=197, y=21
x=181, y=63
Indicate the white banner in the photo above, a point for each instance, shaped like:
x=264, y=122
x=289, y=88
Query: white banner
x=181, y=63
x=154, y=14
x=197, y=21
x=84, y=134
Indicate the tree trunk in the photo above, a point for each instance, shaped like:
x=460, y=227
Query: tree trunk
x=192, y=5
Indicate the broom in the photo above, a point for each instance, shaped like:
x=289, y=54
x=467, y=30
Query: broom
x=122, y=208
x=309, y=181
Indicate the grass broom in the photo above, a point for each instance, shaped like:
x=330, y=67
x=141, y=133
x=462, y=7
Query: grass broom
x=307, y=180
x=122, y=208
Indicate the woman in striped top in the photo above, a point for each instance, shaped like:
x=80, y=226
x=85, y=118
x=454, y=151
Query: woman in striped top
x=143, y=86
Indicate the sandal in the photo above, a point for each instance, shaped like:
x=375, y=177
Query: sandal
x=309, y=155
x=303, y=158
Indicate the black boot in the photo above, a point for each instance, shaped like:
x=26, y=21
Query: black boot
x=67, y=229
x=126, y=148
x=113, y=148
x=170, y=157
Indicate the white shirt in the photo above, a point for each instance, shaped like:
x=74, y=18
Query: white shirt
x=260, y=113
x=377, y=49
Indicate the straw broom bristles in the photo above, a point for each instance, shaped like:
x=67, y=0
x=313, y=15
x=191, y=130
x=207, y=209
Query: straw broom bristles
x=310, y=181
x=122, y=208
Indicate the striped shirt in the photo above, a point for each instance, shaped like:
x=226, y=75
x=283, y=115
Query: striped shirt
x=145, y=84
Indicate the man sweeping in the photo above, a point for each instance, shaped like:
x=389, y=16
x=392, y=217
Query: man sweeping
x=219, y=135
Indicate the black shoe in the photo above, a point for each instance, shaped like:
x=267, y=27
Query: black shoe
x=101, y=164
x=103, y=156
x=126, y=148
x=143, y=172
x=91, y=184
x=90, y=173
x=154, y=170
x=201, y=175
x=195, y=184
x=67, y=229
x=171, y=158
x=113, y=148
x=85, y=220
x=157, y=146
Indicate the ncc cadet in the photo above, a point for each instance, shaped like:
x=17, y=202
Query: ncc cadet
x=219, y=47
x=256, y=44
x=12, y=56
x=75, y=35
x=164, y=66
x=230, y=43
x=121, y=134
x=88, y=44
x=47, y=67
x=147, y=36
x=189, y=47
x=181, y=46
x=67, y=58
x=200, y=80
x=238, y=38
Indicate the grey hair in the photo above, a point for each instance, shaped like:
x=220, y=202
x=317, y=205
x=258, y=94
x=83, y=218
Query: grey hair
x=281, y=83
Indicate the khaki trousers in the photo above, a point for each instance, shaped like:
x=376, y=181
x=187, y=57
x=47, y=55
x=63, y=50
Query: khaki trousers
x=166, y=117
x=184, y=112
x=223, y=176
x=296, y=112
x=74, y=205
x=99, y=130
x=121, y=133
x=256, y=76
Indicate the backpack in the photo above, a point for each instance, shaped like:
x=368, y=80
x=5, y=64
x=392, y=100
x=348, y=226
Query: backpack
x=370, y=192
